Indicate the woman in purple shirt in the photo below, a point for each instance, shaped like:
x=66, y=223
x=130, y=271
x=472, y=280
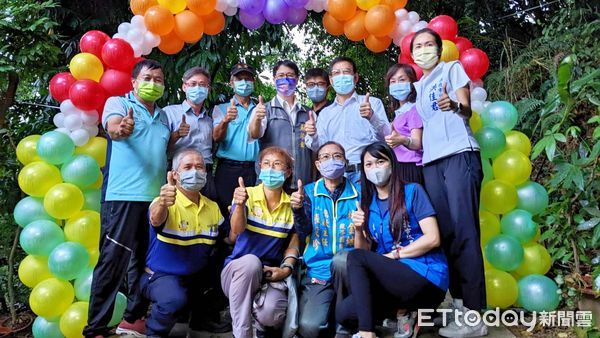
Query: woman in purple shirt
x=407, y=128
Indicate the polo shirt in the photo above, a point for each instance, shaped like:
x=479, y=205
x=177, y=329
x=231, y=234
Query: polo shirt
x=267, y=232
x=235, y=145
x=135, y=166
x=201, y=129
x=183, y=244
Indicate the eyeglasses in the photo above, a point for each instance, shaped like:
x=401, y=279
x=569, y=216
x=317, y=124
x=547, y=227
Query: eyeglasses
x=196, y=84
x=284, y=75
x=318, y=84
x=278, y=165
x=345, y=71
x=336, y=156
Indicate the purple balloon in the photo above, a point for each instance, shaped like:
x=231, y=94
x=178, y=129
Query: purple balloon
x=251, y=6
x=296, y=16
x=297, y=3
x=250, y=20
x=275, y=11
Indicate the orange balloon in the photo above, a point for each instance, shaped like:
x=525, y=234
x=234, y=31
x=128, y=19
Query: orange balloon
x=377, y=44
x=201, y=7
x=214, y=23
x=380, y=20
x=342, y=10
x=394, y=4
x=159, y=20
x=139, y=7
x=354, y=29
x=332, y=25
x=170, y=43
x=188, y=26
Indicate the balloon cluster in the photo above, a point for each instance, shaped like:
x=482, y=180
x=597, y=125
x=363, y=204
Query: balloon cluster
x=61, y=228
x=515, y=263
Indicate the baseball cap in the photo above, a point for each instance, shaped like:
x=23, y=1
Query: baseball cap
x=242, y=67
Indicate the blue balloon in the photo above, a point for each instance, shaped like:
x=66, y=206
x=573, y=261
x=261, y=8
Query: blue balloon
x=68, y=260
x=504, y=252
x=519, y=224
x=81, y=170
x=500, y=114
x=533, y=197
x=41, y=237
x=538, y=293
x=43, y=328
x=83, y=285
x=30, y=209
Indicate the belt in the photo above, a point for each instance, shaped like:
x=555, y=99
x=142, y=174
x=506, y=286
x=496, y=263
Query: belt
x=245, y=164
x=350, y=168
x=318, y=281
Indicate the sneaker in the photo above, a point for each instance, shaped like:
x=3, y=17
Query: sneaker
x=406, y=326
x=390, y=323
x=357, y=335
x=439, y=319
x=454, y=330
x=137, y=329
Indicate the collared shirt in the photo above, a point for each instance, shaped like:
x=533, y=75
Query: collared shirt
x=183, y=244
x=267, y=232
x=292, y=112
x=201, y=126
x=135, y=166
x=235, y=145
x=343, y=123
x=407, y=119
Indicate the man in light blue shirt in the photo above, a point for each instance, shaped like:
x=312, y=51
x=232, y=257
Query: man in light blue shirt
x=352, y=120
x=190, y=124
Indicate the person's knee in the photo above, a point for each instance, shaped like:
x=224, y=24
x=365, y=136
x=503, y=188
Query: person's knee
x=339, y=261
x=173, y=304
x=272, y=314
x=355, y=256
x=249, y=263
x=309, y=327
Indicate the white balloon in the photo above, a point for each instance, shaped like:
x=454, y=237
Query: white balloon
x=72, y=122
x=221, y=5
x=478, y=94
x=124, y=28
x=147, y=50
x=396, y=33
x=64, y=131
x=419, y=25
x=118, y=36
x=405, y=27
x=401, y=14
x=89, y=118
x=309, y=5
x=413, y=17
x=80, y=137
x=230, y=11
x=137, y=22
x=398, y=40
x=92, y=131
x=233, y=3
x=59, y=120
x=325, y=4
x=486, y=103
x=135, y=35
x=476, y=106
x=152, y=39
x=67, y=107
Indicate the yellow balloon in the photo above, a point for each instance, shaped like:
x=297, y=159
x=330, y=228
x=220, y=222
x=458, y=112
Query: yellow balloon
x=486, y=265
x=33, y=270
x=74, y=320
x=516, y=140
x=501, y=288
x=499, y=197
x=536, y=260
x=84, y=228
x=489, y=225
x=512, y=166
x=94, y=256
x=175, y=6
x=63, y=200
x=98, y=183
x=36, y=178
x=449, y=51
x=475, y=122
x=86, y=66
x=365, y=5
x=27, y=149
x=96, y=148
x=538, y=234
x=51, y=297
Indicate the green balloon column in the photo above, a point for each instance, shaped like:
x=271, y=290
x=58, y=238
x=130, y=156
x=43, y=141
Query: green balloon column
x=515, y=263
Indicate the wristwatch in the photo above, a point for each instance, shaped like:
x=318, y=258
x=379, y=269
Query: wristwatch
x=287, y=265
x=459, y=109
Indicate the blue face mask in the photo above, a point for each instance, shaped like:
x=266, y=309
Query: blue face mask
x=316, y=93
x=192, y=180
x=400, y=90
x=332, y=169
x=286, y=86
x=196, y=94
x=272, y=178
x=343, y=84
x=243, y=88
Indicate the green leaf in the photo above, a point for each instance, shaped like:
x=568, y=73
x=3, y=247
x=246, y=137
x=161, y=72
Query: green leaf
x=595, y=237
x=550, y=149
x=565, y=70
x=560, y=137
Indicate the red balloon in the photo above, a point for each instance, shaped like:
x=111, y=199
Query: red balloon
x=116, y=82
x=60, y=84
x=445, y=26
x=405, y=58
x=475, y=62
x=462, y=44
x=405, y=46
x=92, y=42
x=118, y=54
x=87, y=94
x=418, y=70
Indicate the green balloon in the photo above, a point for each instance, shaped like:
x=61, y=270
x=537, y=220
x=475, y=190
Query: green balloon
x=519, y=224
x=504, y=252
x=491, y=141
x=500, y=114
x=119, y=310
x=43, y=328
x=92, y=199
x=68, y=260
x=533, y=197
x=83, y=285
x=488, y=171
x=81, y=170
x=55, y=147
x=41, y=237
x=30, y=209
x=538, y=293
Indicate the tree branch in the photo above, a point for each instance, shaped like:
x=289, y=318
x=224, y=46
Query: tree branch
x=7, y=98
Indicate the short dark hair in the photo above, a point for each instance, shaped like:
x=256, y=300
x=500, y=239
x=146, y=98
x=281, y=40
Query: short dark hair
x=317, y=72
x=342, y=59
x=195, y=71
x=328, y=143
x=148, y=63
x=412, y=77
x=287, y=63
x=436, y=36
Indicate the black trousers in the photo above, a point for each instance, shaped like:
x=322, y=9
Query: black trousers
x=454, y=184
x=226, y=180
x=123, y=246
x=379, y=286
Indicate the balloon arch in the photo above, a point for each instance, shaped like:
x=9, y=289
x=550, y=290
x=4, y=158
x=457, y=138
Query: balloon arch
x=61, y=173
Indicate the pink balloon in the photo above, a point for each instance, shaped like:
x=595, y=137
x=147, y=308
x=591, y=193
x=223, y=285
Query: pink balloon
x=116, y=82
x=118, y=54
x=475, y=62
x=87, y=94
x=60, y=84
x=418, y=70
x=92, y=42
x=445, y=26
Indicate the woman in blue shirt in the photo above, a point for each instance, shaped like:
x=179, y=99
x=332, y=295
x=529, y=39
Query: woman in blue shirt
x=401, y=266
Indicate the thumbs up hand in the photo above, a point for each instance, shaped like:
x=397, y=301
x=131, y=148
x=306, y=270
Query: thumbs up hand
x=240, y=195
x=365, y=108
x=358, y=217
x=260, y=109
x=168, y=192
x=310, y=126
x=444, y=101
x=394, y=139
x=127, y=124
x=232, y=112
x=297, y=197
x=184, y=128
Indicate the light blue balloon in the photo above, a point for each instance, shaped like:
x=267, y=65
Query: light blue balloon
x=92, y=199
x=504, y=252
x=519, y=224
x=500, y=114
x=491, y=141
x=538, y=293
x=68, y=260
x=30, y=209
x=83, y=285
x=42, y=328
x=533, y=197
x=41, y=237
x=81, y=170
x=55, y=147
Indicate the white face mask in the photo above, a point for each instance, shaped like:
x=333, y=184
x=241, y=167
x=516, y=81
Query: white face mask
x=379, y=176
